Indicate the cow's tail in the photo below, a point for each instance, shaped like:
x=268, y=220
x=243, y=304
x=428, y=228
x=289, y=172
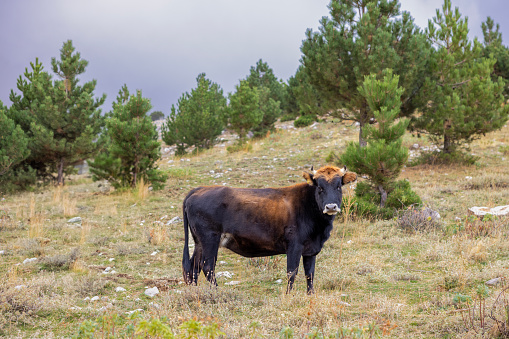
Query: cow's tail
x=186, y=262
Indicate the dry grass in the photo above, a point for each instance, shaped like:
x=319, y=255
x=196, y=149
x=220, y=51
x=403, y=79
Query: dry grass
x=142, y=190
x=370, y=275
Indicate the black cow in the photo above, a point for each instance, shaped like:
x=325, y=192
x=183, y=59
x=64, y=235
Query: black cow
x=295, y=220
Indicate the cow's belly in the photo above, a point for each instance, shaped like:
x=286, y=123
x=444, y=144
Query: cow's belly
x=248, y=247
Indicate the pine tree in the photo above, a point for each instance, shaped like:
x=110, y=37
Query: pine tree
x=493, y=47
x=271, y=93
x=306, y=97
x=363, y=37
x=24, y=112
x=460, y=101
x=198, y=118
x=61, y=117
x=132, y=147
x=156, y=115
x=13, y=143
x=244, y=110
x=384, y=156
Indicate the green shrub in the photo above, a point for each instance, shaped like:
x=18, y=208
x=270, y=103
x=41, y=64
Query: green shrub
x=132, y=326
x=502, y=149
x=287, y=117
x=367, y=200
x=245, y=147
x=441, y=158
x=304, y=120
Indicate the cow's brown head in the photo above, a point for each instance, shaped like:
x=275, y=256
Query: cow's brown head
x=328, y=181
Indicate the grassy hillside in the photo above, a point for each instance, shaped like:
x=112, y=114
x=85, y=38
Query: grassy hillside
x=370, y=274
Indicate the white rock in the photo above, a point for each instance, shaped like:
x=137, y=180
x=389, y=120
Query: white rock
x=222, y=262
x=481, y=211
x=105, y=308
x=225, y=274
x=107, y=270
x=111, y=259
x=75, y=220
x=2, y=252
x=468, y=177
x=26, y=261
x=152, y=292
x=86, y=299
x=232, y=283
x=174, y=220
x=279, y=281
x=493, y=282
x=153, y=253
x=154, y=305
x=119, y=289
x=75, y=308
x=344, y=303
x=19, y=287
x=133, y=311
x=94, y=298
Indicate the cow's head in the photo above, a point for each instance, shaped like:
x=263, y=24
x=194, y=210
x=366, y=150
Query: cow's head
x=328, y=181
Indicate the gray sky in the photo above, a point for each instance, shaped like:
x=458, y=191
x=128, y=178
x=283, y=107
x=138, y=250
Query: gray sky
x=161, y=46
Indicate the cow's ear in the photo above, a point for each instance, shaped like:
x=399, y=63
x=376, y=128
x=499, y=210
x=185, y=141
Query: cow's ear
x=309, y=178
x=349, y=177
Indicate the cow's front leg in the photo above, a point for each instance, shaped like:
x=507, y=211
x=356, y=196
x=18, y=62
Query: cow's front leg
x=309, y=271
x=292, y=264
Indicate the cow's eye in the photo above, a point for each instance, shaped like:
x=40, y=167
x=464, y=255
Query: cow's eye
x=320, y=189
x=339, y=188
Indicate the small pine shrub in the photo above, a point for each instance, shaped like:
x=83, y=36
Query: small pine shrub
x=367, y=200
x=304, y=120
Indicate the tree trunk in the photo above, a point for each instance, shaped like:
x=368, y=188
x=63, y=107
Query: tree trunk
x=383, y=195
x=60, y=175
x=447, y=144
x=135, y=175
x=363, y=119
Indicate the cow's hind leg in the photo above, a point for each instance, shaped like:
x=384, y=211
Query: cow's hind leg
x=210, y=249
x=292, y=265
x=197, y=264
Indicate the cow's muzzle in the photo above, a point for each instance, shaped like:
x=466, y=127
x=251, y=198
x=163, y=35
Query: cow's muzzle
x=331, y=209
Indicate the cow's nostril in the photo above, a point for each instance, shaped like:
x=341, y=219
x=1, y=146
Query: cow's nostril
x=331, y=209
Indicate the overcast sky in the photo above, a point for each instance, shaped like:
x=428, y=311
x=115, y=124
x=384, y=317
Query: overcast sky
x=161, y=46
